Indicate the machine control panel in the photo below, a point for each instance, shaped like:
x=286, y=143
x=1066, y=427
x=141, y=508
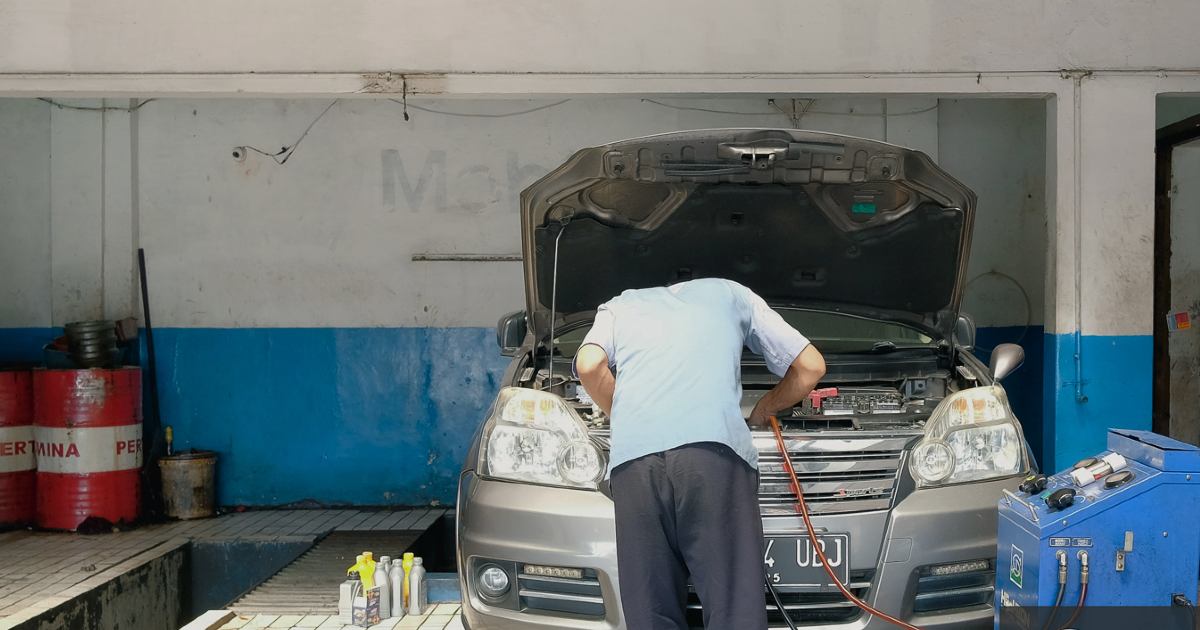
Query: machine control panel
x=1116, y=541
x=1049, y=501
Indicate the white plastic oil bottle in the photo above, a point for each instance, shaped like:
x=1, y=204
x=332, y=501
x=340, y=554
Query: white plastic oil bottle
x=346, y=593
x=396, y=575
x=384, y=582
x=418, y=598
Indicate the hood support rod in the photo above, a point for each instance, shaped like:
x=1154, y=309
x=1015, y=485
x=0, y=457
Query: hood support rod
x=562, y=227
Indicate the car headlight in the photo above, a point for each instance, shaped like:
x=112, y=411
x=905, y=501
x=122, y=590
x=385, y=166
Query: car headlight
x=535, y=436
x=971, y=436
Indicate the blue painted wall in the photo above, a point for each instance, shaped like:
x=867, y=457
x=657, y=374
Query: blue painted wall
x=365, y=416
x=374, y=416
x=1117, y=383
x=23, y=346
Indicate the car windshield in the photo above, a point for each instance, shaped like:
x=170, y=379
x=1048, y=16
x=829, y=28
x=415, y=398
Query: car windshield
x=831, y=333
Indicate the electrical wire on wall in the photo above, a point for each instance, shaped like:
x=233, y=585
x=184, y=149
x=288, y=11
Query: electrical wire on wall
x=287, y=151
x=1024, y=296
x=104, y=108
x=798, y=109
x=794, y=113
x=522, y=112
x=797, y=113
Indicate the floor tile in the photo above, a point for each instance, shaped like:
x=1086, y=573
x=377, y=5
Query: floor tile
x=32, y=561
x=286, y=621
x=436, y=622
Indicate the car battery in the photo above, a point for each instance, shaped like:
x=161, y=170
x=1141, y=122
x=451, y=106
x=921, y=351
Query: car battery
x=1135, y=529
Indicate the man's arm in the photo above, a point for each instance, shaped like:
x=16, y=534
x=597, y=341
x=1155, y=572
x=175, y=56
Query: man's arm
x=801, y=377
x=591, y=363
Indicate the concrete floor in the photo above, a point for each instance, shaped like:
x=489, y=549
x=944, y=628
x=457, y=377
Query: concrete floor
x=439, y=617
x=43, y=572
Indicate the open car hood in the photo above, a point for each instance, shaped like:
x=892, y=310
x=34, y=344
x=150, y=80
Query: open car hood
x=803, y=218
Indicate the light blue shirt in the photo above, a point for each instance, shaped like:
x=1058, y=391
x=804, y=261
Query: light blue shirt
x=676, y=352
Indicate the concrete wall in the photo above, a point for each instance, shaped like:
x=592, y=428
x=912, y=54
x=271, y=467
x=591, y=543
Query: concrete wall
x=25, y=202
x=297, y=337
x=146, y=592
x=624, y=36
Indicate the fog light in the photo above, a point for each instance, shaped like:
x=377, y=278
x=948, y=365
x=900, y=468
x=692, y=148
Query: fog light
x=957, y=568
x=493, y=581
x=556, y=572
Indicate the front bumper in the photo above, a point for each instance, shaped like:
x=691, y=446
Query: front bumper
x=572, y=528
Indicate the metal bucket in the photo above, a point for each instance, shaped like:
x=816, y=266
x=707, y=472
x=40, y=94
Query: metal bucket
x=188, y=484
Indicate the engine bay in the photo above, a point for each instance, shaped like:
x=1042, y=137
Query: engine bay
x=842, y=404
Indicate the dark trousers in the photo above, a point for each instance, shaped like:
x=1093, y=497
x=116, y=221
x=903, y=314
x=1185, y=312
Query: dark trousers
x=691, y=512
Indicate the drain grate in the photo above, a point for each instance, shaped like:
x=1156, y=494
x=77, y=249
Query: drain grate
x=310, y=583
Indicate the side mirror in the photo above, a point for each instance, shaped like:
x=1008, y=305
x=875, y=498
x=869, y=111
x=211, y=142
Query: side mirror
x=510, y=333
x=964, y=332
x=1006, y=358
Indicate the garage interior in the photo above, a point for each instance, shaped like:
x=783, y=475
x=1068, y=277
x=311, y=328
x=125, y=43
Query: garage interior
x=326, y=201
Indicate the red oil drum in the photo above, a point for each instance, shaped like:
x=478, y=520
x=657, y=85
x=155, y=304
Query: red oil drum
x=88, y=438
x=17, y=463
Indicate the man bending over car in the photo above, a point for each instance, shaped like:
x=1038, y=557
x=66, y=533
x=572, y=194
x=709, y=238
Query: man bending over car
x=664, y=364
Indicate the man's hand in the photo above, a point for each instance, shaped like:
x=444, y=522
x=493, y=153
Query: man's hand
x=759, y=416
x=591, y=363
x=802, y=376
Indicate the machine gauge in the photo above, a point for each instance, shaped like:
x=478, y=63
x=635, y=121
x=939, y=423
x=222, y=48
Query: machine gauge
x=1118, y=479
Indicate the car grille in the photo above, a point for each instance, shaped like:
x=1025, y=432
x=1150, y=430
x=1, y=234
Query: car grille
x=837, y=475
x=807, y=608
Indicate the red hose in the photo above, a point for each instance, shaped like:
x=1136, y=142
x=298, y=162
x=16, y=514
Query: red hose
x=812, y=534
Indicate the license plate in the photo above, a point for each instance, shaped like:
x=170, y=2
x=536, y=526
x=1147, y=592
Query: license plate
x=792, y=561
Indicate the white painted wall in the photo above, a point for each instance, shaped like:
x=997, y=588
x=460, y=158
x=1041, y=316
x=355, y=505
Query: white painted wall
x=707, y=36
x=1116, y=191
x=998, y=149
x=1184, y=345
x=24, y=213
x=327, y=238
x=68, y=212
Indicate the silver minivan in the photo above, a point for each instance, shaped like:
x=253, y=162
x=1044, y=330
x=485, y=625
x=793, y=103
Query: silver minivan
x=862, y=246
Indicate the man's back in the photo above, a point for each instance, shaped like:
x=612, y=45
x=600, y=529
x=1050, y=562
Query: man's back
x=677, y=355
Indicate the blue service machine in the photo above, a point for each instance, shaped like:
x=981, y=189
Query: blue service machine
x=1121, y=529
